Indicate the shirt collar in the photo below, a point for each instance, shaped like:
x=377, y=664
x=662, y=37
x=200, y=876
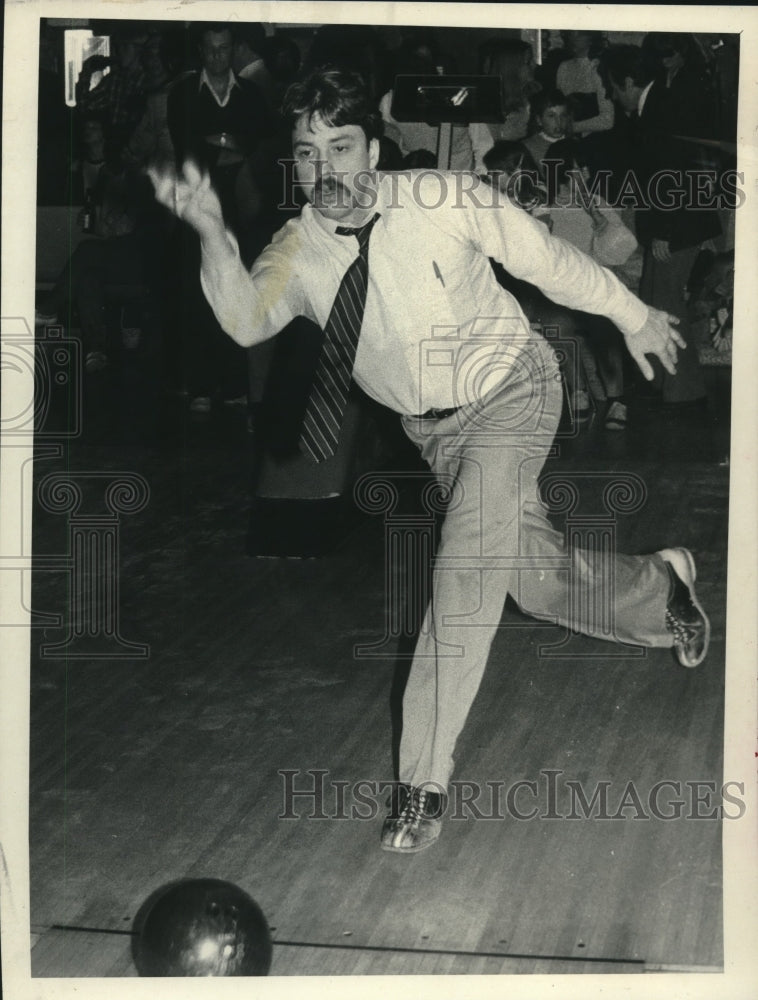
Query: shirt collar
x=331, y=225
x=643, y=97
x=230, y=83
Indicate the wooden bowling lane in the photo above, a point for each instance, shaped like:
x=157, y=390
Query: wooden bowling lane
x=147, y=771
x=63, y=952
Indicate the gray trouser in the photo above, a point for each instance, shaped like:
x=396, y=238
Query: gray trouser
x=494, y=451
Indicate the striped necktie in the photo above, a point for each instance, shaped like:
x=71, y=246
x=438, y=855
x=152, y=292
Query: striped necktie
x=331, y=382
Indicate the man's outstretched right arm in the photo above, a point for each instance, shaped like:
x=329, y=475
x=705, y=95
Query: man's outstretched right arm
x=250, y=306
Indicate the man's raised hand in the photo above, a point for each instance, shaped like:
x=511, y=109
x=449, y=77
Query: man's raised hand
x=190, y=197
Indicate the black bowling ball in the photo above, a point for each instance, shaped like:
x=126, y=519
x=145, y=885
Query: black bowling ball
x=204, y=927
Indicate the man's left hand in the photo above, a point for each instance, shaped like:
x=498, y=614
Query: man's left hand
x=657, y=337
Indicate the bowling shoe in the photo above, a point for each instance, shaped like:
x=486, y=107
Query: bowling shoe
x=685, y=617
x=414, y=821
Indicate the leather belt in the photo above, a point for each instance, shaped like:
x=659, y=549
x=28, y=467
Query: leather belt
x=436, y=414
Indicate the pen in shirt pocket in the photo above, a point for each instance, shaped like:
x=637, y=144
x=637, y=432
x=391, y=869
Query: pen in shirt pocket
x=438, y=273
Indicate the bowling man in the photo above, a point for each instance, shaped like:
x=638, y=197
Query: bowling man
x=395, y=268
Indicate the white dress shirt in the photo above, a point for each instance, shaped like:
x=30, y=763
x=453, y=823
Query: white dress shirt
x=222, y=100
x=438, y=330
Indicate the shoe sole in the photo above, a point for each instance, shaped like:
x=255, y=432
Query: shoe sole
x=616, y=422
x=689, y=576
x=389, y=846
x=408, y=850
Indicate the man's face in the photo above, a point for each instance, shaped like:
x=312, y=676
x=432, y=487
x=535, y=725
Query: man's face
x=577, y=42
x=555, y=121
x=327, y=160
x=216, y=52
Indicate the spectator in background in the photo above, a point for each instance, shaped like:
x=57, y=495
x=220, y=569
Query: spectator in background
x=577, y=77
x=511, y=168
x=591, y=108
x=664, y=92
x=217, y=119
x=150, y=142
x=553, y=54
x=419, y=56
x=85, y=169
x=512, y=60
x=552, y=119
x=249, y=59
x=282, y=59
x=120, y=95
x=115, y=201
x=599, y=231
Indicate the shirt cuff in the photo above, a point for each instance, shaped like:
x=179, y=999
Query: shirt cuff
x=213, y=272
x=636, y=318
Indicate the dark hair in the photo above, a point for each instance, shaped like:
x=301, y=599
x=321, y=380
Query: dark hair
x=620, y=62
x=569, y=153
x=497, y=50
x=420, y=159
x=418, y=53
x=515, y=160
x=253, y=34
x=665, y=43
x=202, y=28
x=390, y=157
x=507, y=155
x=338, y=97
x=548, y=99
x=505, y=57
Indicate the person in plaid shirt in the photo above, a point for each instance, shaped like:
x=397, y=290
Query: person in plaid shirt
x=121, y=95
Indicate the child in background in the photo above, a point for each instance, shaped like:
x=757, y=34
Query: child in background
x=512, y=170
x=553, y=120
x=513, y=128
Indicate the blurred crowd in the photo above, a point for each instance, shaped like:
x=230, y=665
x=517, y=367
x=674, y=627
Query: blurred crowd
x=590, y=111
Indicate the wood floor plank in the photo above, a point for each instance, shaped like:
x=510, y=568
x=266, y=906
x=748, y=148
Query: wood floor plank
x=147, y=771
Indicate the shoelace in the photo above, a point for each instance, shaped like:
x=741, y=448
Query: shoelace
x=682, y=632
x=412, y=810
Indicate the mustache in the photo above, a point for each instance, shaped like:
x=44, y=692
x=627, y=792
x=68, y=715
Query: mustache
x=328, y=185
